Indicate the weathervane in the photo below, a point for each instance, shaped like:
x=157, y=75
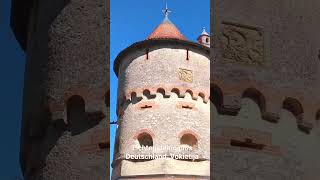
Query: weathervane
x=166, y=11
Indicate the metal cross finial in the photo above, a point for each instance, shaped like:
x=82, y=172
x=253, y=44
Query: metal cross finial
x=166, y=11
x=204, y=29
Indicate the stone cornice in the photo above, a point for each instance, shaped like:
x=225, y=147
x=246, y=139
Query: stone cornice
x=154, y=42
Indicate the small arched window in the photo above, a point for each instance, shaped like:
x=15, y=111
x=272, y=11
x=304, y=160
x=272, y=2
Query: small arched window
x=145, y=140
x=207, y=40
x=76, y=114
x=190, y=140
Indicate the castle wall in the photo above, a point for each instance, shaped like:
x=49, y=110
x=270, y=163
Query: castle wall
x=288, y=152
x=165, y=95
x=266, y=51
x=169, y=58
x=66, y=57
x=273, y=48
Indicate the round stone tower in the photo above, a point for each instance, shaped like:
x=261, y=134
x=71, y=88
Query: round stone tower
x=163, y=108
x=65, y=105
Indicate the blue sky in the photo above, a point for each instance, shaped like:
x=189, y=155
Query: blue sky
x=12, y=62
x=133, y=21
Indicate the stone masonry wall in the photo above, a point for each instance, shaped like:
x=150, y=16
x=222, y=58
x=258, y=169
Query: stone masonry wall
x=286, y=154
x=269, y=46
x=166, y=95
x=67, y=55
x=265, y=89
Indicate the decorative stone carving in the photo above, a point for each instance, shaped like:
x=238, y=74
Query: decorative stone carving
x=185, y=75
x=242, y=44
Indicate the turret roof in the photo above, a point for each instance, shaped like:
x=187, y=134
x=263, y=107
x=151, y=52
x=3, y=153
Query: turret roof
x=166, y=30
x=204, y=32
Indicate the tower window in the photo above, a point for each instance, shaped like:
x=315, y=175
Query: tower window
x=76, y=115
x=145, y=107
x=247, y=143
x=147, y=53
x=145, y=140
x=187, y=58
x=190, y=140
x=207, y=40
x=104, y=145
x=187, y=107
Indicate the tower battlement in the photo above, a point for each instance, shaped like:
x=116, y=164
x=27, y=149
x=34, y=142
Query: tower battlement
x=167, y=91
x=227, y=100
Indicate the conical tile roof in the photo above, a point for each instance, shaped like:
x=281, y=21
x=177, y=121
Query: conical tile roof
x=166, y=30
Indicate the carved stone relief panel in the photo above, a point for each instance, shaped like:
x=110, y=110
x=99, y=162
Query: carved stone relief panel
x=185, y=75
x=242, y=44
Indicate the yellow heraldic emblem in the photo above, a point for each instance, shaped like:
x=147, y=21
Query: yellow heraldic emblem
x=185, y=75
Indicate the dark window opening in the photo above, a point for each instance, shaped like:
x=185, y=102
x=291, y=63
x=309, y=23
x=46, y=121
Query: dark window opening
x=78, y=119
x=104, y=145
x=147, y=54
x=187, y=54
x=76, y=115
x=318, y=116
x=247, y=143
x=146, y=107
x=187, y=107
x=190, y=140
x=145, y=140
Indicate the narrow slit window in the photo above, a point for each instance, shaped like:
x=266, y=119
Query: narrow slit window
x=146, y=107
x=104, y=145
x=187, y=54
x=147, y=53
x=247, y=143
x=187, y=107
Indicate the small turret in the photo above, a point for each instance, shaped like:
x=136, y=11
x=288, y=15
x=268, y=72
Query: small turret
x=204, y=38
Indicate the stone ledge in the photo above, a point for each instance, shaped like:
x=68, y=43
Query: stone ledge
x=161, y=167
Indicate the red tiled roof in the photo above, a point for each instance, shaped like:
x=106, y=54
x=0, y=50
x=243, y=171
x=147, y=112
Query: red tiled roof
x=166, y=30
